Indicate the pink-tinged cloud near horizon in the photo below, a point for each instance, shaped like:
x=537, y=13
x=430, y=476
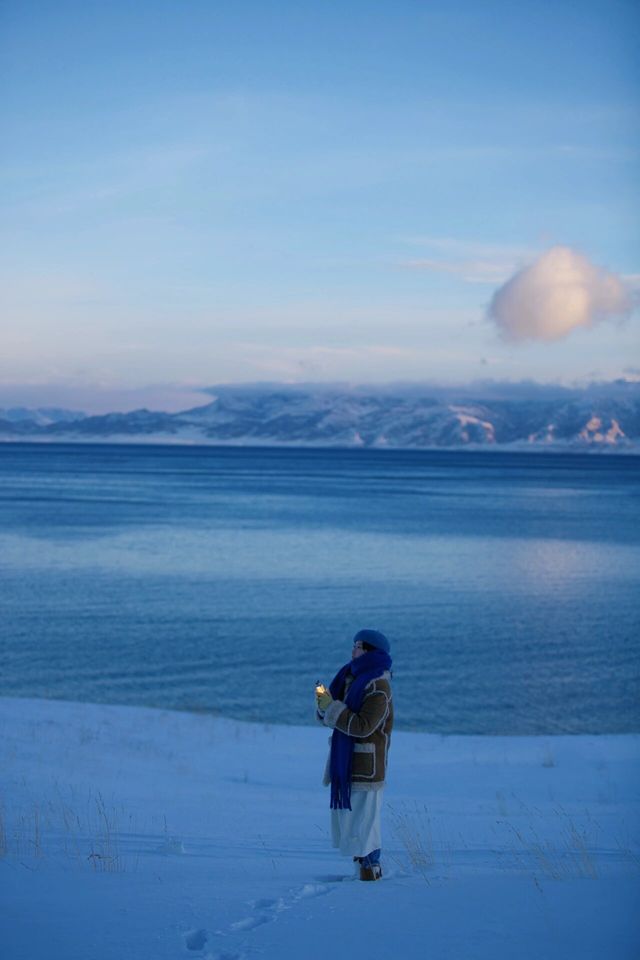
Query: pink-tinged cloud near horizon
x=558, y=293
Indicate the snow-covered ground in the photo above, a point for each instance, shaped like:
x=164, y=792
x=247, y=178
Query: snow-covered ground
x=148, y=834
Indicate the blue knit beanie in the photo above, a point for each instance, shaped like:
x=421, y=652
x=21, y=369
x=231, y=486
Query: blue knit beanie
x=374, y=638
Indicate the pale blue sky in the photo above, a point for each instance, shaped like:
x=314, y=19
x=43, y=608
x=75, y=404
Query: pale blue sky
x=200, y=191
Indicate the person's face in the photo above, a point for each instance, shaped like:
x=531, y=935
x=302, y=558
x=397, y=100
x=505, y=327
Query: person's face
x=357, y=650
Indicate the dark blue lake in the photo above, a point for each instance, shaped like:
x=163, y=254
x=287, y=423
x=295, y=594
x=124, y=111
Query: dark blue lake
x=230, y=579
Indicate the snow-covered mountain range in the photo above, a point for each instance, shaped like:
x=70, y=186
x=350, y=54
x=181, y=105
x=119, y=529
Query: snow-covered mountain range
x=598, y=417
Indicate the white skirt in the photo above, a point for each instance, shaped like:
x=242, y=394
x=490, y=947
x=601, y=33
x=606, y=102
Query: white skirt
x=356, y=832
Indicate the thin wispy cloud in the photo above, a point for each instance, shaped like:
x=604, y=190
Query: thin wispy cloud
x=372, y=361
x=471, y=271
x=471, y=261
x=53, y=190
x=455, y=246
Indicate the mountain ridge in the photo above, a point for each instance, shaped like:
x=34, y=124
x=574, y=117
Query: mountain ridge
x=599, y=417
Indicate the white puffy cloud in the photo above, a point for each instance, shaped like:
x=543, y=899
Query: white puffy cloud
x=556, y=294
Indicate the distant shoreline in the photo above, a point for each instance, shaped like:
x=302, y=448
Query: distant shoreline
x=256, y=722
x=590, y=450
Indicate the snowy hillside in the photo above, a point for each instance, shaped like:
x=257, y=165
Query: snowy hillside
x=40, y=416
x=603, y=417
x=137, y=834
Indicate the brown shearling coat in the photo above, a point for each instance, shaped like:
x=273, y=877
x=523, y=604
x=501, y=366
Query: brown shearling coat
x=370, y=728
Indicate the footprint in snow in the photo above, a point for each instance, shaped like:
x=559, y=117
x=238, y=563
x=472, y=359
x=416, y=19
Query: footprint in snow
x=195, y=939
x=312, y=890
x=269, y=910
x=273, y=906
x=336, y=878
x=249, y=923
x=224, y=956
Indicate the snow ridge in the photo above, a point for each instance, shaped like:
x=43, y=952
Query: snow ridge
x=592, y=419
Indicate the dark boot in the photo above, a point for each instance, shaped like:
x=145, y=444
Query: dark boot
x=370, y=872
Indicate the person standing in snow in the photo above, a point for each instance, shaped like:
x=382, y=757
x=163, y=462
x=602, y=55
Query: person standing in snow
x=359, y=708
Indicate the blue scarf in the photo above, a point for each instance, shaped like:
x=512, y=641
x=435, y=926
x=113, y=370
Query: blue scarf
x=364, y=669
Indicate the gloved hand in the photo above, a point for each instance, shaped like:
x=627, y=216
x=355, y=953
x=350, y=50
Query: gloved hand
x=323, y=700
